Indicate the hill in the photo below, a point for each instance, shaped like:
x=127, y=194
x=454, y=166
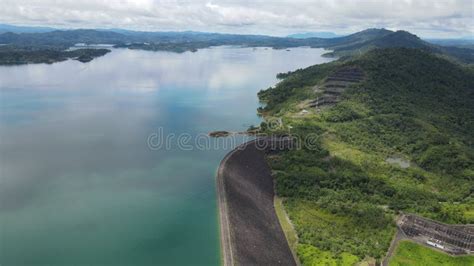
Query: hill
x=61, y=39
x=380, y=39
x=71, y=37
x=390, y=131
x=364, y=41
x=357, y=38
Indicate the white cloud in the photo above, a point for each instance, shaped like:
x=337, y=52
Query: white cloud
x=278, y=17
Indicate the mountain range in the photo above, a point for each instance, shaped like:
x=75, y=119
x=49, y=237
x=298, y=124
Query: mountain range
x=350, y=45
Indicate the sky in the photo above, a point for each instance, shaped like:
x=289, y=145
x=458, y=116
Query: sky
x=426, y=18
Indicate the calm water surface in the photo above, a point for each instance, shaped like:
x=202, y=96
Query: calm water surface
x=78, y=183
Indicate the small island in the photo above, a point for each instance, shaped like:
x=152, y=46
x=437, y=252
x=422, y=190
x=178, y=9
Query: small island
x=220, y=133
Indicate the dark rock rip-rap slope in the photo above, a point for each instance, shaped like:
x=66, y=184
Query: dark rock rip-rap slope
x=250, y=230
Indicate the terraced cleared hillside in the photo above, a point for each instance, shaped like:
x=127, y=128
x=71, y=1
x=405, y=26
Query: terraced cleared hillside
x=394, y=134
x=334, y=86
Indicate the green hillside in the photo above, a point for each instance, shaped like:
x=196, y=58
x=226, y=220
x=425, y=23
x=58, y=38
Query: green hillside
x=343, y=188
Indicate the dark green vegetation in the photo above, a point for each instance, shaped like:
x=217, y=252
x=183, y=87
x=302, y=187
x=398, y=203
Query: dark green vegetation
x=350, y=45
x=61, y=39
x=409, y=253
x=10, y=55
x=147, y=40
x=340, y=192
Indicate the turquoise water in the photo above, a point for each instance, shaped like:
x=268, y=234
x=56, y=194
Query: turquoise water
x=80, y=184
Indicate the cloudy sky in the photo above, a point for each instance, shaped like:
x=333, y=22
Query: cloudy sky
x=427, y=18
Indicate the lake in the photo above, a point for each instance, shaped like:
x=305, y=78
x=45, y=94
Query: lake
x=84, y=179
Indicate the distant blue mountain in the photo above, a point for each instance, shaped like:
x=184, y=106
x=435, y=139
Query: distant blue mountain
x=467, y=42
x=24, y=29
x=306, y=35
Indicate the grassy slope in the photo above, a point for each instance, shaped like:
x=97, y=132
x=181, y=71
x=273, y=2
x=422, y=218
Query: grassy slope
x=409, y=253
x=287, y=227
x=413, y=105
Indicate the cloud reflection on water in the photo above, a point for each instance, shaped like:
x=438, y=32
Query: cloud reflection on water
x=73, y=148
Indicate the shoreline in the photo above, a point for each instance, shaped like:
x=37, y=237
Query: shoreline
x=250, y=231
